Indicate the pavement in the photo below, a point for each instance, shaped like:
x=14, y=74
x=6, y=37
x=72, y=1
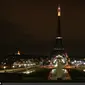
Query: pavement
x=16, y=69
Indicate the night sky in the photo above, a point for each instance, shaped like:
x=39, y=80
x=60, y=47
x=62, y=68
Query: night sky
x=30, y=25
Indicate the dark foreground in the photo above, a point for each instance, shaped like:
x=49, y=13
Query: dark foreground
x=41, y=75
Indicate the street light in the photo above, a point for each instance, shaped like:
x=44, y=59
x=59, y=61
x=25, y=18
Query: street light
x=84, y=70
x=4, y=68
x=13, y=66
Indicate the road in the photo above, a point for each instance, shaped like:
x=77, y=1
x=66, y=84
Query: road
x=40, y=74
x=16, y=70
x=72, y=74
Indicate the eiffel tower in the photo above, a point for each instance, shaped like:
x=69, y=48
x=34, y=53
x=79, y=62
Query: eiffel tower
x=58, y=48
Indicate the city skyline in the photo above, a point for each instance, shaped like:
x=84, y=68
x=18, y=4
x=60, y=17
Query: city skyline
x=31, y=26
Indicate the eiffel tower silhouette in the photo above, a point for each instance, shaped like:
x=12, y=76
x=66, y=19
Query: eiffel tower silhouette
x=59, y=48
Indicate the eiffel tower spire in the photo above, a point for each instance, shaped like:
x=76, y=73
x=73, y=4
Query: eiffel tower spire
x=58, y=26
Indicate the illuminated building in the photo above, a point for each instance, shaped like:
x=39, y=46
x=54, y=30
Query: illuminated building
x=59, y=56
x=58, y=51
x=18, y=53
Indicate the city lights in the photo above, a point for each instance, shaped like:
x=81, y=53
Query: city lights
x=56, y=64
x=84, y=70
x=4, y=67
x=13, y=66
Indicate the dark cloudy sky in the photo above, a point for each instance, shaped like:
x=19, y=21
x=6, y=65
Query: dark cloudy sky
x=30, y=25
